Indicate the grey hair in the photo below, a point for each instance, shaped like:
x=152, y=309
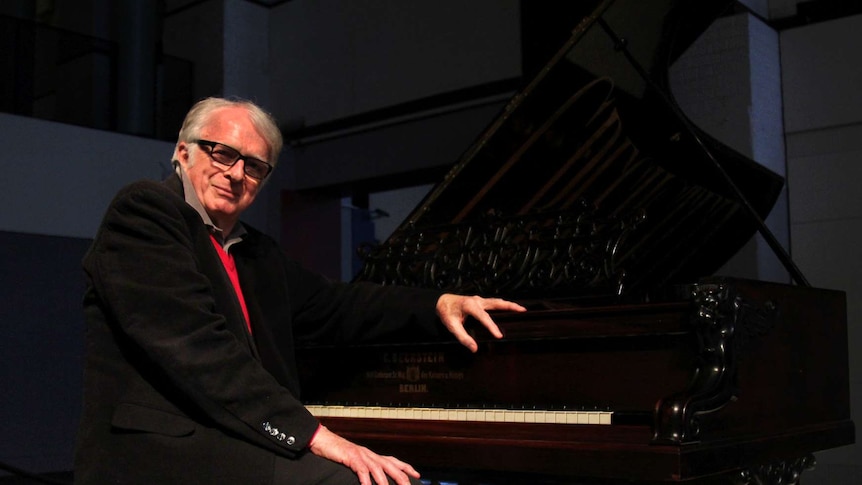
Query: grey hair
x=199, y=115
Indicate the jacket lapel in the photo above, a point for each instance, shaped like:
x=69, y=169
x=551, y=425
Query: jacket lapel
x=270, y=354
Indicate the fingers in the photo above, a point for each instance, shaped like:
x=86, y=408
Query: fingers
x=464, y=338
x=374, y=469
x=454, y=309
x=485, y=319
x=370, y=468
x=395, y=468
x=494, y=304
x=500, y=304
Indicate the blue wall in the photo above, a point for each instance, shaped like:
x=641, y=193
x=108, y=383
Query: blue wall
x=41, y=350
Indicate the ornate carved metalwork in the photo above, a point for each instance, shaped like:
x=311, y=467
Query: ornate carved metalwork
x=533, y=254
x=783, y=472
x=724, y=322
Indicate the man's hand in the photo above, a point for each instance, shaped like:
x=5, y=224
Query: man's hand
x=365, y=463
x=454, y=309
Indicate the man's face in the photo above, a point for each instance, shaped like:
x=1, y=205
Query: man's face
x=224, y=192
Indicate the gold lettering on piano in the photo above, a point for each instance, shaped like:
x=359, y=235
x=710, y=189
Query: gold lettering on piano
x=412, y=372
x=414, y=358
x=412, y=388
x=376, y=374
x=444, y=376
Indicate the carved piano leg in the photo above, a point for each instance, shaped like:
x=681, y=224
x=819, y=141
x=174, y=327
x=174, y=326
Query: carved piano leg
x=783, y=472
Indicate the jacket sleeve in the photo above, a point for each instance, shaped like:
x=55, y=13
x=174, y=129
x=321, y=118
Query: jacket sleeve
x=342, y=313
x=322, y=311
x=146, y=266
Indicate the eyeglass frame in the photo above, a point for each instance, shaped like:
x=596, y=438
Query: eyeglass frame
x=211, y=145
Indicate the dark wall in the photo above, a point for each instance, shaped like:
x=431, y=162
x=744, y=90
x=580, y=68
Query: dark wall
x=42, y=328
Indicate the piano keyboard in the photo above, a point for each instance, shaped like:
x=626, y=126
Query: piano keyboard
x=476, y=415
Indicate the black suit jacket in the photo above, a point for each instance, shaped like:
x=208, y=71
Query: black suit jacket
x=175, y=388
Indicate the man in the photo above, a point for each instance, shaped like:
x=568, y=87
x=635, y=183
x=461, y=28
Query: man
x=192, y=318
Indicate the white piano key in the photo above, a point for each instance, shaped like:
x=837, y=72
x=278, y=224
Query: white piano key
x=464, y=414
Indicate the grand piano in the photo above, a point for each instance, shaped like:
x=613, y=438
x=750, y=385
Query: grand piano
x=596, y=203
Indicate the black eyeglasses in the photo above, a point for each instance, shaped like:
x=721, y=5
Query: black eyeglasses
x=227, y=157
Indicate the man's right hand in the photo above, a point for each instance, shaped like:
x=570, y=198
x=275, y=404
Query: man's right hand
x=365, y=463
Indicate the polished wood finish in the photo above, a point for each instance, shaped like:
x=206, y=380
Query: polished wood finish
x=783, y=387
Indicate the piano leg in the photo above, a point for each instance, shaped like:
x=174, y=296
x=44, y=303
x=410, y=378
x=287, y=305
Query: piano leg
x=780, y=472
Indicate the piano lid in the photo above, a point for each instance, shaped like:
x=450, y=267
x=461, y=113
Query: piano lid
x=590, y=181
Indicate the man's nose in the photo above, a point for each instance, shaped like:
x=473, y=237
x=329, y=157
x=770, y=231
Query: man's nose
x=237, y=170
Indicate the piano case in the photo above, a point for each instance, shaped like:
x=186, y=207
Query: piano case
x=593, y=201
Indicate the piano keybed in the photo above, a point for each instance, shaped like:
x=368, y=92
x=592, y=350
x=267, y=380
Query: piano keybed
x=494, y=415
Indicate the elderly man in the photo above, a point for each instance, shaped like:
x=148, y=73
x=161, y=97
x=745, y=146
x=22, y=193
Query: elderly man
x=191, y=320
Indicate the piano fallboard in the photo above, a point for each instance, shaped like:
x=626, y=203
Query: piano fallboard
x=521, y=371
x=737, y=374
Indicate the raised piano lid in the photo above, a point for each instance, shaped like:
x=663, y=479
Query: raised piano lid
x=588, y=182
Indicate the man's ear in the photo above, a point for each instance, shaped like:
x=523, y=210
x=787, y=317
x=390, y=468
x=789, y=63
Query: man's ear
x=181, y=153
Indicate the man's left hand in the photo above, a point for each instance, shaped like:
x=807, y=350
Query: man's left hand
x=453, y=311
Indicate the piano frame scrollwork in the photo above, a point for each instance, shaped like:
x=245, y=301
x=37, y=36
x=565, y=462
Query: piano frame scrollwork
x=534, y=253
